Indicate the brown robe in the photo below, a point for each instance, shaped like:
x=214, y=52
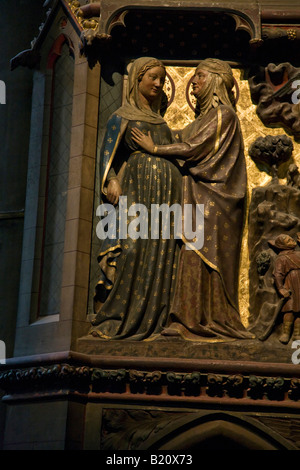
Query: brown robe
x=287, y=275
x=206, y=297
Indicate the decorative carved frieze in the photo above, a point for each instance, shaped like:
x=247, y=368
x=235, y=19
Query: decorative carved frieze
x=94, y=381
x=290, y=32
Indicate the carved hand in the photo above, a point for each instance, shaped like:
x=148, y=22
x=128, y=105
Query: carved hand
x=114, y=191
x=145, y=141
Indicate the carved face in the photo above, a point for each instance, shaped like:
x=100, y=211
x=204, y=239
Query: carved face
x=152, y=83
x=285, y=242
x=199, y=80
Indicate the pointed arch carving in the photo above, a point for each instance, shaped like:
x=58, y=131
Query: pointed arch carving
x=238, y=431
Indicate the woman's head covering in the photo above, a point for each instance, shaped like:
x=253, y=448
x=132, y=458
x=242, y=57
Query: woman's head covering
x=133, y=109
x=218, y=87
x=283, y=242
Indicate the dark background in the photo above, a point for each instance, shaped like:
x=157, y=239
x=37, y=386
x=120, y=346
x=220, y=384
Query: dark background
x=19, y=24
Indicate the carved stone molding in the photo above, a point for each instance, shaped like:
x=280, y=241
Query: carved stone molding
x=96, y=24
x=95, y=21
x=140, y=429
x=289, y=32
x=203, y=384
x=245, y=17
x=134, y=428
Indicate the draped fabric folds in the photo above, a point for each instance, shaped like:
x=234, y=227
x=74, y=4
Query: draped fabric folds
x=134, y=292
x=207, y=306
x=132, y=297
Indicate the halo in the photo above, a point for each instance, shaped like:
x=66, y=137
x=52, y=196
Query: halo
x=169, y=88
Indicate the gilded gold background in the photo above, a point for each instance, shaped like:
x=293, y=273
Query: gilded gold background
x=179, y=114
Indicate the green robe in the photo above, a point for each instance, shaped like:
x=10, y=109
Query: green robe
x=133, y=297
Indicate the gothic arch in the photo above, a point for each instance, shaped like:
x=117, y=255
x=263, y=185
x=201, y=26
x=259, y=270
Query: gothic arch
x=219, y=431
x=56, y=49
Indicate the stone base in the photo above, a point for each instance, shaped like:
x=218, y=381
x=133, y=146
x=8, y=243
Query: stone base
x=271, y=350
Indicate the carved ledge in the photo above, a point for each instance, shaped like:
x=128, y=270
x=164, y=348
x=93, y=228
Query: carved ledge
x=204, y=384
x=271, y=32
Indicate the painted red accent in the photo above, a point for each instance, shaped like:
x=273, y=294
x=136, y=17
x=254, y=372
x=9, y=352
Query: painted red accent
x=285, y=79
x=55, y=51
